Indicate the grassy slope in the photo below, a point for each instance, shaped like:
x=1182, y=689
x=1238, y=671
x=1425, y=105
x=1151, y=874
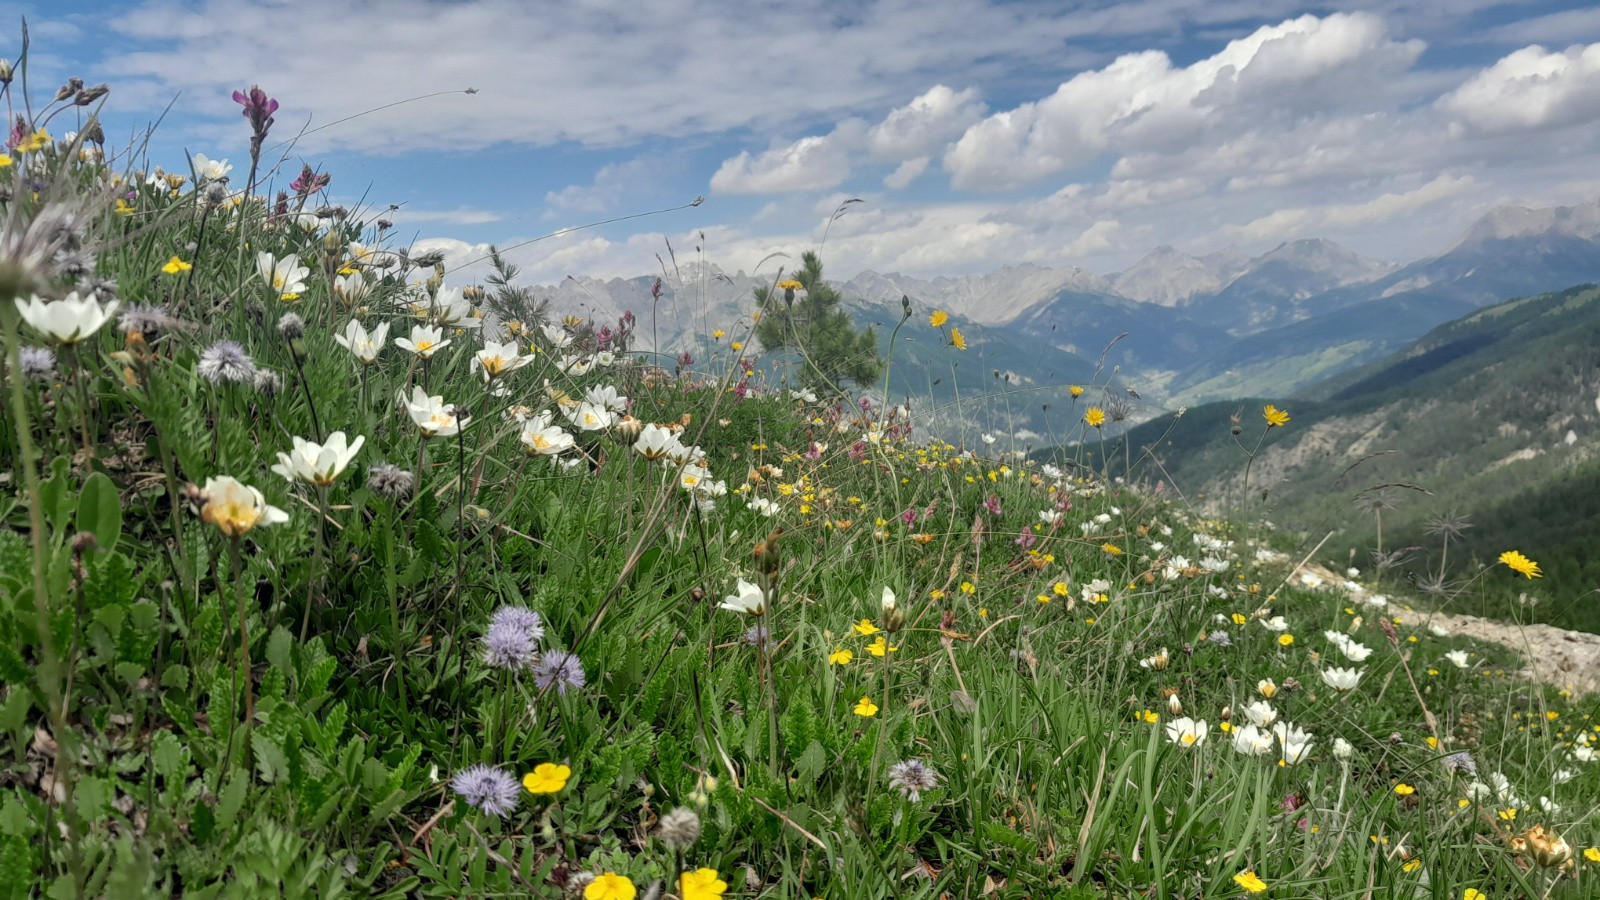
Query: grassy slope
x=1454, y=413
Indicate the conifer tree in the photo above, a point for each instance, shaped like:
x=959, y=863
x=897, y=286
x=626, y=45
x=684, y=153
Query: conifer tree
x=802, y=314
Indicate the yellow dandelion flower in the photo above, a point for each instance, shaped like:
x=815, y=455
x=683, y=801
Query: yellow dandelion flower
x=1276, y=418
x=957, y=339
x=1521, y=564
x=1095, y=417
x=1076, y=390
x=1250, y=881
x=737, y=346
x=547, y=778
x=610, y=886
x=718, y=334
x=938, y=318
x=789, y=284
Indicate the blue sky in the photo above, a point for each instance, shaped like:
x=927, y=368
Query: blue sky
x=977, y=133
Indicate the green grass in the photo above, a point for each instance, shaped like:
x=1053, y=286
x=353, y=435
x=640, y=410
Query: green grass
x=1038, y=668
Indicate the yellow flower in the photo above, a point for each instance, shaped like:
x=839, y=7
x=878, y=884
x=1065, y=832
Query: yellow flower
x=737, y=346
x=866, y=708
x=610, y=886
x=840, y=657
x=1239, y=619
x=175, y=265
x=37, y=141
x=6, y=160
x=1521, y=564
x=1250, y=881
x=718, y=334
x=938, y=318
x=879, y=647
x=789, y=284
x=1112, y=549
x=124, y=208
x=866, y=628
x=1592, y=854
x=547, y=778
x=1412, y=864
x=1276, y=418
x=1432, y=742
x=957, y=338
x=1404, y=790
x=1474, y=894
x=1267, y=687
x=1076, y=390
x=1095, y=416
x=1285, y=640
x=701, y=884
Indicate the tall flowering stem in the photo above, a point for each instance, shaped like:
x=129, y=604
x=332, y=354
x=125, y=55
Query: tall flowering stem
x=258, y=109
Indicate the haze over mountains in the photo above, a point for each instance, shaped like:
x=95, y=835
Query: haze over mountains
x=1192, y=328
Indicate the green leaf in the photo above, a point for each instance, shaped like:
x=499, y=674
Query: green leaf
x=55, y=494
x=279, y=646
x=100, y=511
x=230, y=802
x=169, y=757
x=18, y=865
x=271, y=762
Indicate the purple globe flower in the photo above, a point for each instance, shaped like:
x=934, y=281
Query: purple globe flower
x=519, y=617
x=489, y=789
x=507, y=646
x=560, y=670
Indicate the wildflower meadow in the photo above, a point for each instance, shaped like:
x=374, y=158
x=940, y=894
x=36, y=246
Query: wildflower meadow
x=325, y=572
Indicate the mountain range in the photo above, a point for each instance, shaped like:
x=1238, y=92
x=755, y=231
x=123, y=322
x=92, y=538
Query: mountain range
x=1179, y=329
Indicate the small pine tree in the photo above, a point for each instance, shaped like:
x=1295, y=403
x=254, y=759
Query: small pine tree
x=808, y=320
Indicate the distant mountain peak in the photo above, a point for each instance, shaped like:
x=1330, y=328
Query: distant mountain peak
x=1167, y=276
x=1506, y=222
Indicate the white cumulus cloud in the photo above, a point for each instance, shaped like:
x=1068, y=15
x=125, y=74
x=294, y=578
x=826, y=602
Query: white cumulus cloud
x=1533, y=88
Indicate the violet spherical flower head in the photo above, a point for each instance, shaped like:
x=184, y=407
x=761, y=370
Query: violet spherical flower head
x=38, y=363
x=558, y=670
x=226, y=362
x=507, y=647
x=489, y=789
x=519, y=617
x=912, y=777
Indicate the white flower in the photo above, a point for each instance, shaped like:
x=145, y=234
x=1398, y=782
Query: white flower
x=1550, y=806
x=1585, y=754
x=1355, y=651
x=1343, y=749
x=1049, y=516
x=1294, y=741
x=1341, y=679
x=499, y=359
x=1438, y=630
x=1155, y=662
x=283, y=274
x=362, y=345
x=543, y=438
x=888, y=600
x=68, y=320
x=750, y=599
x=319, y=464
x=1251, y=741
x=209, y=169
x=425, y=341
x=1459, y=657
x=351, y=289
x=435, y=417
x=1186, y=732
x=575, y=364
x=235, y=508
x=1276, y=623
x=1311, y=580
x=556, y=335
x=1050, y=471
x=1261, y=714
x=655, y=442
x=449, y=309
x=987, y=438
x=803, y=396
x=763, y=506
x=589, y=416
x=605, y=359
x=606, y=396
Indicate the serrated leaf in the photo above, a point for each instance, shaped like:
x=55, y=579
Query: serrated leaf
x=169, y=757
x=18, y=867
x=272, y=764
x=100, y=511
x=230, y=801
x=279, y=647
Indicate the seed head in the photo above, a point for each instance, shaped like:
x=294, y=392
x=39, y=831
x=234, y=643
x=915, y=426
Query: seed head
x=391, y=481
x=679, y=829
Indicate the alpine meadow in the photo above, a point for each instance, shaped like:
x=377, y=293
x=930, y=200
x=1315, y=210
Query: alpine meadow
x=337, y=563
